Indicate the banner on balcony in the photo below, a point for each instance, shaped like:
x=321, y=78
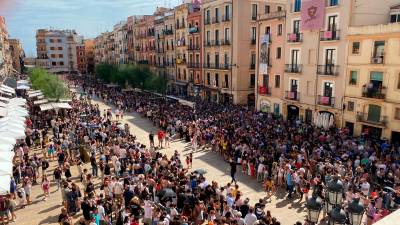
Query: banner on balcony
x=263, y=67
x=312, y=14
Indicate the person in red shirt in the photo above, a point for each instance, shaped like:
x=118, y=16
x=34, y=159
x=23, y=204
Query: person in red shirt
x=160, y=136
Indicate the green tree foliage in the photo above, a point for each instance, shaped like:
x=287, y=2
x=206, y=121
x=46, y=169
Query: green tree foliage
x=49, y=84
x=137, y=76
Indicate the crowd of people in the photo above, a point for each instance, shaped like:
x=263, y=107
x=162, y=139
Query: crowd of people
x=140, y=183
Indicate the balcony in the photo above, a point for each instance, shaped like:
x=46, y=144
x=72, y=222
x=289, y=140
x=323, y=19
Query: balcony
x=225, y=85
x=326, y=101
x=193, y=65
x=211, y=43
x=193, y=30
x=371, y=119
x=252, y=66
x=160, y=51
x=377, y=59
x=264, y=90
x=373, y=92
x=225, y=42
x=207, y=21
x=226, y=18
x=217, y=66
x=328, y=70
x=253, y=41
x=168, y=32
x=293, y=68
x=207, y=43
x=295, y=37
x=193, y=47
x=329, y=35
x=253, y=17
x=292, y=95
x=215, y=20
x=330, y=3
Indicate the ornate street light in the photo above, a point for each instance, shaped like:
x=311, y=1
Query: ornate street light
x=356, y=211
x=335, y=191
x=337, y=216
x=314, y=206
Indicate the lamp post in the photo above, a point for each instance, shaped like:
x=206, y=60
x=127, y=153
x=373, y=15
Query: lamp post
x=314, y=206
x=335, y=191
x=356, y=211
x=337, y=216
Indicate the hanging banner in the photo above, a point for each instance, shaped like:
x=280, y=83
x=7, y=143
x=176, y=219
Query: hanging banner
x=263, y=67
x=312, y=14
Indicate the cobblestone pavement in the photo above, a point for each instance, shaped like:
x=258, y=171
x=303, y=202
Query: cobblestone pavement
x=46, y=212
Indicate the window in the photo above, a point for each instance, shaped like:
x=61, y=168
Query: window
x=61, y=63
x=208, y=78
x=227, y=16
x=277, y=81
x=253, y=58
x=278, y=52
x=394, y=18
x=54, y=63
x=279, y=8
x=355, y=48
x=60, y=55
x=397, y=114
x=252, y=80
x=60, y=48
x=297, y=6
x=59, y=40
x=226, y=81
x=227, y=34
x=53, y=55
x=265, y=80
x=253, y=33
x=267, y=8
x=216, y=15
x=52, y=48
x=254, y=11
x=350, y=106
x=51, y=40
x=267, y=30
x=353, y=77
x=280, y=28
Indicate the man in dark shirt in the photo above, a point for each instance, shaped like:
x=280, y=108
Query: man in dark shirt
x=151, y=138
x=86, y=207
x=232, y=163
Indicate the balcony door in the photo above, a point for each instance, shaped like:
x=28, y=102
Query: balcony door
x=328, y=89
x=266, y=80
x=294, y=85
x=332, y=23
x=330, y=60
x=296, y=26
x=216, y=36
x=374, y=113
x=376, y=80
x=295, y=57
x=379, y=48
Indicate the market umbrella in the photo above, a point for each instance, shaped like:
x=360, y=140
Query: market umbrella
x=7, y=140
x=6, y=147
x=166, y=192
x=5, y=184
x=13, y=134
x=6, y=156
x=200, y=171
x=5, y=168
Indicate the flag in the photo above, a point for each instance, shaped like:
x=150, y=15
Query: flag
x=312, y=14
x=263, y=67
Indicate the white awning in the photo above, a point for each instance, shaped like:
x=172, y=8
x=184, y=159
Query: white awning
x=5, y=92
x=5, y=183
x=35, y=94
x=23, y=87
x=391, y=219
x=62, y=105
x=55, y=105
x=7, y=89
x=22, y=82
x=34, y=91
x=44, y=107
x=39, y=102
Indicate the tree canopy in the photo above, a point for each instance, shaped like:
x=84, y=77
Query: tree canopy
x=137, y=76
x=48, y=83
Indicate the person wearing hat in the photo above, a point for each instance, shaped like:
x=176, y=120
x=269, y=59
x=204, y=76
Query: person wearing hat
x=238, y=217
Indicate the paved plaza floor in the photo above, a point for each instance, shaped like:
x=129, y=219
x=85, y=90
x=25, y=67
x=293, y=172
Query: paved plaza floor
x=46, y=212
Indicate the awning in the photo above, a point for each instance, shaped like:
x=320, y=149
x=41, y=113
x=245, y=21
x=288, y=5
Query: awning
x=36, y=94
x=34, y=91
x=39, y=102
x=23, y=87
x=5, y=92
x=55, y=105
x=7, y=89
x=22, y=82
x=5, y=184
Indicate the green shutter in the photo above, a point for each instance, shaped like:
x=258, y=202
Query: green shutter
x=374, y=113
x=378, y=76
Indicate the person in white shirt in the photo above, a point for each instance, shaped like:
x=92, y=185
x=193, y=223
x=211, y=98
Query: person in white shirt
x=260, y=172
x=250, y=218
x=365, y=188
x=148, y=212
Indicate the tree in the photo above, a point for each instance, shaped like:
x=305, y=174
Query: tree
x=49, y=84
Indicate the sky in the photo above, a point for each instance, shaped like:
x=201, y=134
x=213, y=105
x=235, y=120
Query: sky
x=87, y=17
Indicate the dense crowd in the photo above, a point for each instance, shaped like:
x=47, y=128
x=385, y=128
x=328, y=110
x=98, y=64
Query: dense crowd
x=137, y=182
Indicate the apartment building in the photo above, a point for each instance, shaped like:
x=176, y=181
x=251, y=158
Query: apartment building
x=270, y=66
x=159, y=27
x=17, y=55
x=6, y=62
x=229, y=46
x=130, y=39
x=120, y=43
x=181, y=84
x=144, y=34
x=89, y=55
x=99, y=49
x=372, y=95
x=169, y=48
x=315, y=54
x=57, y=50
x=195, y=57
x=81, y=57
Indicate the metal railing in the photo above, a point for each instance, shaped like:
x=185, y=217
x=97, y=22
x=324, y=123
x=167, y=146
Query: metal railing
x=225, y=42
x=371, y=119
x=292, y=95
x=226, y=18
x=326, y=100
x=329, y=35
x=215, y=20
x=295, y=37
x=377, y=59
x=293, y=68
x=329, y=70
x=374, y=92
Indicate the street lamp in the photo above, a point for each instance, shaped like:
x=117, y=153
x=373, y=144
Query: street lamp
x=356, y=211
x=314, y=206
x=337, y=216
x=335, y=191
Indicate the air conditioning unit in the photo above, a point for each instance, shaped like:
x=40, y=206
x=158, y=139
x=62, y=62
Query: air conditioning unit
x=377, y=60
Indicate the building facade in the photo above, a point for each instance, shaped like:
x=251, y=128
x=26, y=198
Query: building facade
x=372, y=96
x=270, y=58
x=17, y=54
x=6, y=62
x=57, y=50
x=89, y=55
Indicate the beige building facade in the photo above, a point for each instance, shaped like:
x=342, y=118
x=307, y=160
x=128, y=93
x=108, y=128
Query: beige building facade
x=5, y=53
x=372, y=96
x=271, y=42
x=315, y=69
x=17, y=54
